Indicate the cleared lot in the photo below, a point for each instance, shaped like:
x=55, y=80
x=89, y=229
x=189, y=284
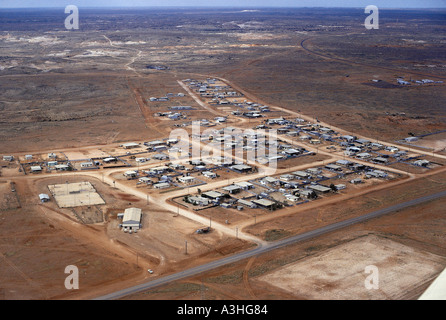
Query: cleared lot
x=340, y=273
x=77, y=194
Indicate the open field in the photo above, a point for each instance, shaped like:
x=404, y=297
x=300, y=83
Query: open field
x=338, y=274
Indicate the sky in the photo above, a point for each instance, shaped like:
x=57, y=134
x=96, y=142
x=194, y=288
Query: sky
x=224, y=3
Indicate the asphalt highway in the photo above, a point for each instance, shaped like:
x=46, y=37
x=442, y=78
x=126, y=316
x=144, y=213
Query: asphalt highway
x=266, y=248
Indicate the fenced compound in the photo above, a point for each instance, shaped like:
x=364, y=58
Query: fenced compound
x=69, y=195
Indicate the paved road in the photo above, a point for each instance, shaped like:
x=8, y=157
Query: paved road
x=268, y=247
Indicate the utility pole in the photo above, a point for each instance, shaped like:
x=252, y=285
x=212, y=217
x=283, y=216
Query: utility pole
x=186, y=246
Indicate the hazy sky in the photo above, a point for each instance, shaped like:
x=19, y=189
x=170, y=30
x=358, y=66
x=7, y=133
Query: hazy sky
x=226, y=3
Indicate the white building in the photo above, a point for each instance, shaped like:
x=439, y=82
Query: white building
x=86, y=164
x=34, y=169
x=44, y=197
x=209, y=174
x=132, y=219
x=186, y=180
x=130, y=174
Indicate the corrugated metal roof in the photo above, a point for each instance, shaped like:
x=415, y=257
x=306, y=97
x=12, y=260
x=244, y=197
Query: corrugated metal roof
x=132, y=215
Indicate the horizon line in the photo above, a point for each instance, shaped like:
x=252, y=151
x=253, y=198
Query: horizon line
x=227, y=7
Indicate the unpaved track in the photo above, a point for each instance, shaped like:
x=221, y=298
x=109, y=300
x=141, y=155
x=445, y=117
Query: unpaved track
x=358, y=63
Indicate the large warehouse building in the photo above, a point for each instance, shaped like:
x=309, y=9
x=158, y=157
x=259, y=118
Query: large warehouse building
x=132, y=219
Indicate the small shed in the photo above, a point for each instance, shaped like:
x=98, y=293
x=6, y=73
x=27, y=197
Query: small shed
x=209, y=174
x=44, y=197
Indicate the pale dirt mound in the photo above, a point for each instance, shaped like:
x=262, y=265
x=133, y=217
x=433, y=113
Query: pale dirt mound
x=339, y=273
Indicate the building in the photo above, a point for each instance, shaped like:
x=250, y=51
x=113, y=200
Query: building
x=421, y=163
x=411, y=139
x=344, y=163
x=291, y=152
x=392, y=149
x=214, y=195
x=264, y=203
x=376, y=145
x=287, y=177
x=44, y=197
x=35, y=169
x=157, y=170
x=130, y=174
x=198, y=200
x=8, y=158
x=333, y=167
x=349, y=138
x=242, y=168
x=51, y=163
x=319, y=188
x=363, y=141
x=364, y=155
x=306, y=193
x=381, y=174
x=244, y=185
x=267, y=180
x=292, y=197
x=186, y=180
x=301, y=174
x=209, y=174
x=146, y=180
x=87, y=164
x=132, y=219
x=159, y=148
x=380, y=160
x=160, y=156
x=247, y=203
x=356, y=181
x=62, y=167
x=161, y=185
x=130, y=145
x=314, y=171
x=232, y=189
